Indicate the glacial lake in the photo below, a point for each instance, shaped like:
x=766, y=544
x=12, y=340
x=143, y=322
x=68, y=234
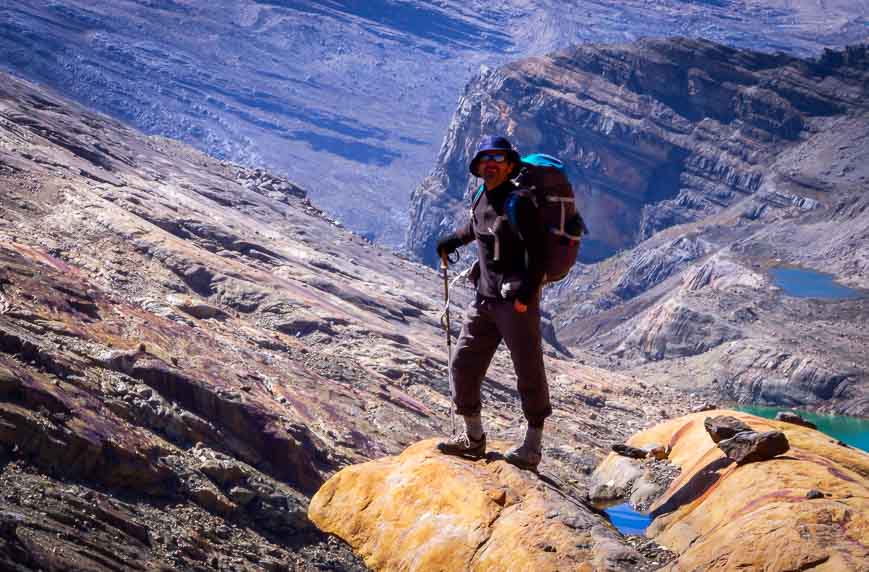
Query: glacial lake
x=810, y=284
x=851, y=430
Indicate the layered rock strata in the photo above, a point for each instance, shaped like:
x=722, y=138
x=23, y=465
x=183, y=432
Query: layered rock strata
x=697, y=304
x=350, y=98
x=654, y=133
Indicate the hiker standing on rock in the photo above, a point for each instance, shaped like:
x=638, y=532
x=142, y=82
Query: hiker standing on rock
x=507, y=304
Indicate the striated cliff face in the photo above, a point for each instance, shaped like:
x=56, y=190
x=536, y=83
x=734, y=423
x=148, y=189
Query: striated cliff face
x=699, y=168
x=654, y=133
x=697, y=302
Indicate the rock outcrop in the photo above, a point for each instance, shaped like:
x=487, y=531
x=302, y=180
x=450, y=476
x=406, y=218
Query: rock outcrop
x=751, y=446
x=423, y=510
x=803, y=510
x=723, y=427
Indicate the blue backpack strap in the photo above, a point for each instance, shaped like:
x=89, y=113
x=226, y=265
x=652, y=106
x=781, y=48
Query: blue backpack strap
x=510, y=208
x=477, y=195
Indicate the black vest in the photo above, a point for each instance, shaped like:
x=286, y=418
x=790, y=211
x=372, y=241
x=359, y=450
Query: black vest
x=500, y=250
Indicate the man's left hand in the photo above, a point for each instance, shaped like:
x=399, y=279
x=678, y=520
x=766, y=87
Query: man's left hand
x=519, y=307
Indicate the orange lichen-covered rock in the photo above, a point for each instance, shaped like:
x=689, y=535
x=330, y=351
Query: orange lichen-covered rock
x=423, y=510
x=721, y=516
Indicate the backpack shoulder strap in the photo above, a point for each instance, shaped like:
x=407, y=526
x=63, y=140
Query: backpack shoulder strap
x=477, y=195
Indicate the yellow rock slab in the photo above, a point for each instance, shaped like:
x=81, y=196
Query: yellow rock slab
x=720, y=516
x=423, y=510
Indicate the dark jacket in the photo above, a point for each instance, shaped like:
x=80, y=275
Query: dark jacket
x=510, y=266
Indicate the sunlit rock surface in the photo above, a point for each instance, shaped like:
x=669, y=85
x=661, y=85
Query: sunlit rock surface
x=423, y=510
x=718, y=515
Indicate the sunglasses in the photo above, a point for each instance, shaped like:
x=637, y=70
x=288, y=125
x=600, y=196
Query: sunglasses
x=489, y=157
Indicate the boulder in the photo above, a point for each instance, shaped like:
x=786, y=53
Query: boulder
x=242, y=495
x=791, y=417
x=423, y=510
x=720, y=515
x=614, y=478
x=223, y=472
x=705, y=406
x=724, y=427
x=751, y=446
x=196, y=308
x=208, y=497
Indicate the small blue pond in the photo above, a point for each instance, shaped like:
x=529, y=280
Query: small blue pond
x=810, y=284
x=627, y=520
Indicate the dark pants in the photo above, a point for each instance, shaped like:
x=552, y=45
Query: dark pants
x=487, y=322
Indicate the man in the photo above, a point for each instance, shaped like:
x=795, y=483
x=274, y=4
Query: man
x=506, y=307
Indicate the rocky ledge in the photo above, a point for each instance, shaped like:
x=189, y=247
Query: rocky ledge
x=423, y=510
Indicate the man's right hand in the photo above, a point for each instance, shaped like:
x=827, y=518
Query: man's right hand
x=447, y=245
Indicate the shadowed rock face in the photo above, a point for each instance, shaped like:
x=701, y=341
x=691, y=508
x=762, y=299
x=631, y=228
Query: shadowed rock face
x=193, y=347
x=654, y=134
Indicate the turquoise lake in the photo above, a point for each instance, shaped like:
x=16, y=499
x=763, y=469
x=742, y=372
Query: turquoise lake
x=851, y=430
x=810, y=284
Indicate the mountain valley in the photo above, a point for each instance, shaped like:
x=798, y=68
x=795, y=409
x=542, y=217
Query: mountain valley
x=349, y=99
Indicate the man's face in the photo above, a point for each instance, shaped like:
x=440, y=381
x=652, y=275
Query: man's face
x=494, y=168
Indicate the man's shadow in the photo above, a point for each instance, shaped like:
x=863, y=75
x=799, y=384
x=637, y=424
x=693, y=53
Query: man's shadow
x=705, y=479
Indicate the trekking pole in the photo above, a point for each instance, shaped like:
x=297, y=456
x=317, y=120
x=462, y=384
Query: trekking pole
x=445, y=262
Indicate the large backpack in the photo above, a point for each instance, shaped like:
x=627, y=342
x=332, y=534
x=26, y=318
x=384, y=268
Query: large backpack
x=542, y=179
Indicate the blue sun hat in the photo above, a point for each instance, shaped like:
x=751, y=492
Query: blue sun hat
x=494, y=143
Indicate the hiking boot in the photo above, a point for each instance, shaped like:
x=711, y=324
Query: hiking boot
x=464, y=446
x=524, y=457
x=527, y=455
